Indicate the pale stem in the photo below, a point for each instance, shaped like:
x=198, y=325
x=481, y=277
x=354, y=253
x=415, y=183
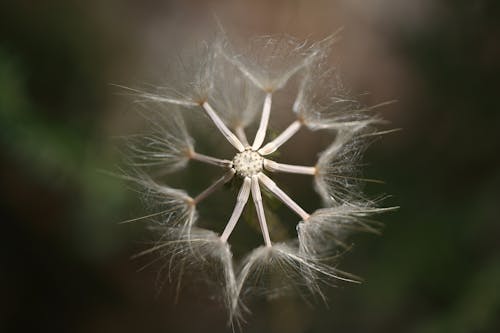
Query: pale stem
x=264, y=120
x=174, y=101
x=281, y=139
x=339, y=125
x=218, y=183
x=271, y=186
x=241, y=201
x=257, y=199
x=240, y=133
x=209, y=159
x=230, y=137
x=380, y=132
x=158, y=98
x=289, y=168
x=144, y=217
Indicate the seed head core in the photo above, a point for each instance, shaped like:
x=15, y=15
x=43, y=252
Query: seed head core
x=248, y=163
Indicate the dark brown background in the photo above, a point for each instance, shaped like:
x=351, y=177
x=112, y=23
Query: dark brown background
x=65, y=262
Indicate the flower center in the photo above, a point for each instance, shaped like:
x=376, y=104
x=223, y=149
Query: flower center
x=248, y=163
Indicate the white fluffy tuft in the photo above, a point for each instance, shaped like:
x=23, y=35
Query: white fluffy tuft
x=235, y=98
x=202, y=254
x=327, y=228
x=169, y=206
x=274, y=270
x=167, y=147
x=270, y=61
x=337, y=178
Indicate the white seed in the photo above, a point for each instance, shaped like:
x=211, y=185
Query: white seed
x=248, y=163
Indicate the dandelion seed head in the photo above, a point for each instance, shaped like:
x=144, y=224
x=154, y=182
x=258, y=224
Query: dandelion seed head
x=235, y=86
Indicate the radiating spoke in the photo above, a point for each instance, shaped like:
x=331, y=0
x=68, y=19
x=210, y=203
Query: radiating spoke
x=289, y=168
x=209, y=159
x=241, y=201
x=281, y=139
x=240, y=133
x=144, y=217
x=231, y=138
x=271, y=186
x=257, y=199
x=264, y=121
x=175, y=101
x=218, y=183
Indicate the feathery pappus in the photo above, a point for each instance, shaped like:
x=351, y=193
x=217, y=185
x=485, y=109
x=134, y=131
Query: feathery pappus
x=235, y=88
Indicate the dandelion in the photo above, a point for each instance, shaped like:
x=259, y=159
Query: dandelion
x=235, y=88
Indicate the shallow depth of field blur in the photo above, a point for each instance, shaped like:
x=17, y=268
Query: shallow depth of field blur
x=65, y=262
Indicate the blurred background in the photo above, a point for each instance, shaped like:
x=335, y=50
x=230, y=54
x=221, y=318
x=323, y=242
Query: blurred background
x=65, y=262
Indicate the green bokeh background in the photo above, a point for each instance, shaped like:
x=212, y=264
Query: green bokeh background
x=65, y=260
